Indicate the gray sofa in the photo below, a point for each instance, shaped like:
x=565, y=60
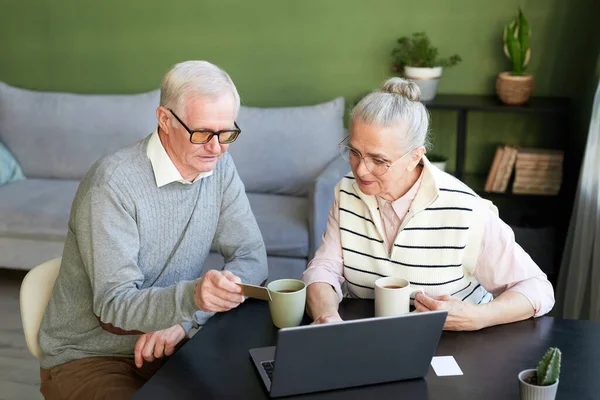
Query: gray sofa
x=286, y=157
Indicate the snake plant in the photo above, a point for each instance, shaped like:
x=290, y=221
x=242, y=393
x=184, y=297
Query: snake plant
x=517, y=40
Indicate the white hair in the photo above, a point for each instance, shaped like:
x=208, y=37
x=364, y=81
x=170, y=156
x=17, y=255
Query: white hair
x=396, y=102
x=199, y=78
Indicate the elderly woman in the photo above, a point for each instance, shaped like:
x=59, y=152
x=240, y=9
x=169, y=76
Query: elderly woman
x=397, y=215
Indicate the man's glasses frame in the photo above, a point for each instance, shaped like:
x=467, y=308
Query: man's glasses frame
x=231, y=134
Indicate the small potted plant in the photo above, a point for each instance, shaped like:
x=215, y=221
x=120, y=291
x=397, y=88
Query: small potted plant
x=541, y=383
x=515, y=87
x=438, y=160
x=416, y=59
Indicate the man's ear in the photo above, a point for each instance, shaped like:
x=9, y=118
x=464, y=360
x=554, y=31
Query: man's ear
x=164, y=120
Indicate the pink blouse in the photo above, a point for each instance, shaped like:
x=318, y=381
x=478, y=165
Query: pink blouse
x=501, y=265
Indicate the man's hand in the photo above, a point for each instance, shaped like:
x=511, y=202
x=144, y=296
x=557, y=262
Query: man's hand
x=461, y=316
x=154, y=345
x=328, y=318
x=217, y=292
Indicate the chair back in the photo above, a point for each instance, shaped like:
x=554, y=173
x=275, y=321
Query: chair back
x=36, y=290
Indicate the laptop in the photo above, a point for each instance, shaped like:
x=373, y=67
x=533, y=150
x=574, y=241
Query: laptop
x=315, y=358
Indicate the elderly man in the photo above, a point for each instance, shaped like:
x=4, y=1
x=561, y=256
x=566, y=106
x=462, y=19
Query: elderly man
x=143, y=221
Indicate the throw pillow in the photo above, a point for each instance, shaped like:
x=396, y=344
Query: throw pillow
x=10, y=170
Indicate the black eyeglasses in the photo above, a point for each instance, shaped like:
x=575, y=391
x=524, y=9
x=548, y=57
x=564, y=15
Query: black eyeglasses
x=204, y=136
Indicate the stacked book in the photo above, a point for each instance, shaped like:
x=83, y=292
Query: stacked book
x=501, y=170
x=538, y=171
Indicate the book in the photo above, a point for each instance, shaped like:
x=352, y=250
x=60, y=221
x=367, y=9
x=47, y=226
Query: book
x=549, y=190
x=538, y=164
x=538, y=172
x=489, y=183
x=540, y=154
x=538, y=178
x=507, y=168
x=501, y=169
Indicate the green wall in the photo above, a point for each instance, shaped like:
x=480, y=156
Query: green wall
x=283, y=53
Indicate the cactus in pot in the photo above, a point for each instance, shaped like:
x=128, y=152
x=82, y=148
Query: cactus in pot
x=548, y=369
x=515, y=87
x=541, y=383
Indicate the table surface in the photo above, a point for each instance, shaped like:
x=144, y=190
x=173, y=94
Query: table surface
x=215, y=363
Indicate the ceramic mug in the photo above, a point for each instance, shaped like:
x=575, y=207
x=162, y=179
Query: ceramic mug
x=392, y=296
x=288, y=300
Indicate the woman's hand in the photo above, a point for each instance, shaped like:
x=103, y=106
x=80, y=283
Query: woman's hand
x=461, y=316
x=328, y=318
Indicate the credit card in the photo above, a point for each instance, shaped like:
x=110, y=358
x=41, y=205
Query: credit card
x=255, y=292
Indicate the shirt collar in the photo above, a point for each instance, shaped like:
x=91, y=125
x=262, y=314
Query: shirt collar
x=165, y=171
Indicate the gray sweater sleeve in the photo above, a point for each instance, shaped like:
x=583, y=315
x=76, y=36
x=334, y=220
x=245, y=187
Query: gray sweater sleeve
x=238, y=237
x=108, y=240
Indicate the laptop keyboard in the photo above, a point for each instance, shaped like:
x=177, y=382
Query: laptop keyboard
x=268, y=367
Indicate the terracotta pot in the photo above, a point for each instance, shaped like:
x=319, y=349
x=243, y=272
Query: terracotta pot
x=514, y=89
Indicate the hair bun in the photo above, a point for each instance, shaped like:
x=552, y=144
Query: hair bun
x=402, y=87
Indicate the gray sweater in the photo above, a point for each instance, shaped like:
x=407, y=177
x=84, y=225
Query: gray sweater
x=122, y=230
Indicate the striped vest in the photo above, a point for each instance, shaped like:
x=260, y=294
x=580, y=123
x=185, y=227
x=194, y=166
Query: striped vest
x=436, y=247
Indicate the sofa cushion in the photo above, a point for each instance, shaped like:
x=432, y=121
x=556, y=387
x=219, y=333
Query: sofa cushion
x=282, y=150
x=40, y=208
x=60, y=135
x=36, y=208
x=283, y=222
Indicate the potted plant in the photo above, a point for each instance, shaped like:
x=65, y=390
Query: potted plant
x=514, y=87
x=541, y=383
x=415, y=58
x=438, y=160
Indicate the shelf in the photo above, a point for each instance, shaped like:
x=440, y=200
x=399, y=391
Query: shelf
x=469, y=102
x=463, y=103
x=477, y=183
x=529, y=215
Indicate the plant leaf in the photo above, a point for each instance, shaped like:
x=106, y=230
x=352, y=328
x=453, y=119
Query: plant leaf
x=524, y=39
x=505, y=39
x=527, y=57
x=513, y=48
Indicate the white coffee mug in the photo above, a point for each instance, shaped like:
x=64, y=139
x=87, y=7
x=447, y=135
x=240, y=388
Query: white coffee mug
x=392, y=296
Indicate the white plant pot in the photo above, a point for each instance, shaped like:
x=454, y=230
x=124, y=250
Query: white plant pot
x=440, y=164
x=426, y=78
x=528, y=391
x=423, y=73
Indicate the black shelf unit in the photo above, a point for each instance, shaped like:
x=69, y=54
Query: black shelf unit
x=463, y=103
x=520, y=211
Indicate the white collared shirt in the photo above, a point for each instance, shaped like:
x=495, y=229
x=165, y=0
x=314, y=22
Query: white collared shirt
x=165, y=171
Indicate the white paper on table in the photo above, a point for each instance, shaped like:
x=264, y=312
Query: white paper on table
x=445, y=366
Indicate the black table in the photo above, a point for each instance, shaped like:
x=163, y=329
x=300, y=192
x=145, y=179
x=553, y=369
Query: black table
x=215, y=363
